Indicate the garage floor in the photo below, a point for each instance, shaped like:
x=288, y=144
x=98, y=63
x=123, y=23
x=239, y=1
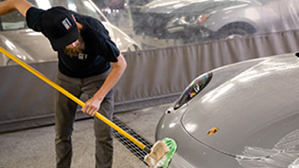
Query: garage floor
x=34, y=148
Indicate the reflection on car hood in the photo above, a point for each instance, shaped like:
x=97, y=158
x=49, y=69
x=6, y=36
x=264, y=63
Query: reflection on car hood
x=172, y=6
x=254, y=105
x=28, y=45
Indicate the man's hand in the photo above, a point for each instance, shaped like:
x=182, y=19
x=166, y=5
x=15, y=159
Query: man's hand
x=92, y=106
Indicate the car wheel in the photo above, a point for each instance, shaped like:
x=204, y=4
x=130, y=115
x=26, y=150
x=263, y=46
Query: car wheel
x=235, y=30
x=11, y=62
x=133, y=48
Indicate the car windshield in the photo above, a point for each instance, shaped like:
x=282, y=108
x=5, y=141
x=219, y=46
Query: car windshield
x=15, y=20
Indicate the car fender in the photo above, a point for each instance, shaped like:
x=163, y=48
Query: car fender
x=220, y=19
x=123, y=44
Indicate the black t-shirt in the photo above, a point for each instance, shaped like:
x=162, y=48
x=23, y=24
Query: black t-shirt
x=99, y=49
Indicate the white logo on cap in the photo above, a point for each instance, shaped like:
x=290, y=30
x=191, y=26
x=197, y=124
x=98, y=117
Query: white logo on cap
x=67, y=24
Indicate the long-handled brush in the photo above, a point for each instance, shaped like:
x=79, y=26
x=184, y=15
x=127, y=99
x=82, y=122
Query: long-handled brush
x=158, y=156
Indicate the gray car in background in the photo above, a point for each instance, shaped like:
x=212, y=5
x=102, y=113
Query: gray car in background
x=33, y=47
x=243, y=115
x=204, y=20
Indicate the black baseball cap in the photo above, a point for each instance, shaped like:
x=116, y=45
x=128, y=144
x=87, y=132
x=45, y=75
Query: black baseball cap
x=59, y=26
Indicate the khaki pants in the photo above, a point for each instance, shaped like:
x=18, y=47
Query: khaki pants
x=65, y=110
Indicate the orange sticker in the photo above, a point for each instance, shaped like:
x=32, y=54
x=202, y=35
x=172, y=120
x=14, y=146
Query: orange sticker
x=213, y=131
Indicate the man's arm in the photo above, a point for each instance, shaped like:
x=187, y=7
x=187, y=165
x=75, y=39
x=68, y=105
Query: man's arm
x=118, y=68
x=9, y=6
x=116, y=72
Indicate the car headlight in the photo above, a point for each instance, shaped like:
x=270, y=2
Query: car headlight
x=187, y=20
x=193, y=89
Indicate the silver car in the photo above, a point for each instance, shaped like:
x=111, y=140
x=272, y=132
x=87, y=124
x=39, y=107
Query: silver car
x=204, y=20
x=33, y=47
x=242, y=115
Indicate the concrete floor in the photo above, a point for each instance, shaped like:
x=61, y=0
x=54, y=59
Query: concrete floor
x=34, y=148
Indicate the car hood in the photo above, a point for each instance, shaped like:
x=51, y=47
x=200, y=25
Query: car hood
x=254, y=106
x=28, y=45
x=190, y=6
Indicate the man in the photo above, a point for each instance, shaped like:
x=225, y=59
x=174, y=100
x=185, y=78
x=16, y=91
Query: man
x=89, y=62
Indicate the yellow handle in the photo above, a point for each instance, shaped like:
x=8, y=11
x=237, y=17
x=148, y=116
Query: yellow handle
x=72, y=97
